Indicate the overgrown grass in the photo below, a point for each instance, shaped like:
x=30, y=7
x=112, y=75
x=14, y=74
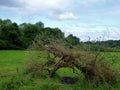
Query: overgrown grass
x=10, y=61
x=113, y=58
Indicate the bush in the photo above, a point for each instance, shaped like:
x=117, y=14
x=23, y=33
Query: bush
x=35, y=68
x=14, y=82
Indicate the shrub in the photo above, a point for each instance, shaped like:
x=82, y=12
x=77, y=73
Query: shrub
x=35, y=68
x=14, y=82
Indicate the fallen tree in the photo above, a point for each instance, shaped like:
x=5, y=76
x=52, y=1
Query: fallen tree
x=91, y=64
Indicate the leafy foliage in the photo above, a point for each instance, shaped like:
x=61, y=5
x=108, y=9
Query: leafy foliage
x=14, y=36
x=73, y=40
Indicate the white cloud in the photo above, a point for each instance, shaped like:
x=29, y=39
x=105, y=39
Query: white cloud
x=55, y=9
x=94, y=32
x=60, y=9
x=93, y=35
x=11, y=3
x=47, y=5
x=67, y=15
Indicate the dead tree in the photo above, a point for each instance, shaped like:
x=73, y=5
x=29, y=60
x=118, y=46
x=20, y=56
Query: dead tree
x=89, y=68
x=90, y=64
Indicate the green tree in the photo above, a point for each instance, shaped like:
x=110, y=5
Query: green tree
x=40, y=24
x=29, y=32
x=54, y=33
x=10, y=33
x=73, y=40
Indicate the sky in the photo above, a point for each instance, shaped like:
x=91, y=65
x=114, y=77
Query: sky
x=87, y=19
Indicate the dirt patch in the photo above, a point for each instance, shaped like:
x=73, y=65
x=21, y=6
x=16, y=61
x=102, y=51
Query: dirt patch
x=69, y=80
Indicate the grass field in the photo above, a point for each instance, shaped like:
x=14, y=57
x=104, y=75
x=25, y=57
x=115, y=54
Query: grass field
x=11, y=61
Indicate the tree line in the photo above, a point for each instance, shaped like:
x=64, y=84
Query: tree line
x=14, y=36
x=109, y=45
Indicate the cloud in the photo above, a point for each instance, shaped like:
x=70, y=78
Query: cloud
x=94, y=35
x=67, y=15
x=114, y=11
x=63, y=15
x=94, y=32
x=58, y=9
x=54, y=9
x=11, y=3
x=47, y=5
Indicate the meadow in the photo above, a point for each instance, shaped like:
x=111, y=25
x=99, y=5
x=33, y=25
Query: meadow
x=12, y=63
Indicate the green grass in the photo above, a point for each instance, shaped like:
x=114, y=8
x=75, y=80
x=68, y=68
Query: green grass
x=11, y=60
